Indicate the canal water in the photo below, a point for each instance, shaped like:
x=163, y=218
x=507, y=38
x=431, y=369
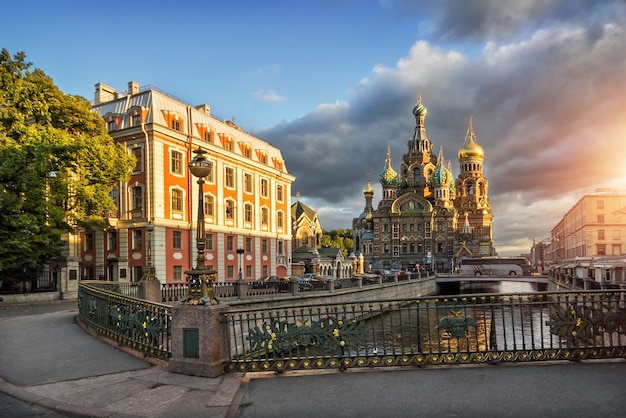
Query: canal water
x=498, y=287
x=502, y=326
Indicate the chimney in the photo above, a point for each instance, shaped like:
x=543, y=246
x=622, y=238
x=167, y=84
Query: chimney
x=133, y=87
x=204, y=108
x=104, y=93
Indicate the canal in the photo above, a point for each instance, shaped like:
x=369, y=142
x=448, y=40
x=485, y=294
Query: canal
x=497, y=287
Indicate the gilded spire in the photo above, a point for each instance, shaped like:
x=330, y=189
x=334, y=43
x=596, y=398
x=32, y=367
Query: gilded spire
x=368, y=190
x=470, y=148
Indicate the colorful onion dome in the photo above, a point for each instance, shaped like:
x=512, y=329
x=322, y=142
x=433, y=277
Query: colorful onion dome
x=389, y=177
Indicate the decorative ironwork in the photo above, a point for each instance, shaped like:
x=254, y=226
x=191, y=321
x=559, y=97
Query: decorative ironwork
x=141, y=325
x=326, y=333
x=200, y=290
x=430, y=331
x=586, y=322
x=456, y=324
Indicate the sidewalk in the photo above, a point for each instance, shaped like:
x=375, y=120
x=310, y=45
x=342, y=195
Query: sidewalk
x=50, y=361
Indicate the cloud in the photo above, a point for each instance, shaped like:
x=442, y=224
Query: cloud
x=269, y=96
x=547, y=107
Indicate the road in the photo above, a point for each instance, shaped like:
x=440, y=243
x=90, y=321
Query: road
x=15, y=408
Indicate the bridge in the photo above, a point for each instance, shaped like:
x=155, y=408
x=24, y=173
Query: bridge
x=454, y=278
x=312, y=332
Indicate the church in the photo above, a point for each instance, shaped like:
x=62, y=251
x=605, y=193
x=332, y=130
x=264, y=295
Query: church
x=427, y=219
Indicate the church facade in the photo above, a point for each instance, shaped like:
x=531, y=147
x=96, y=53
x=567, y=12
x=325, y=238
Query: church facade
x=426, y=218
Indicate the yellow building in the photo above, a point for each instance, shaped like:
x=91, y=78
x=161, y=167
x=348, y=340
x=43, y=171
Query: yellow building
x=247, y=195
x=587, y=245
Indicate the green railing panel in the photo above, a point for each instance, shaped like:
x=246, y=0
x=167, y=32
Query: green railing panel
x=141, y=325
x=427, y=331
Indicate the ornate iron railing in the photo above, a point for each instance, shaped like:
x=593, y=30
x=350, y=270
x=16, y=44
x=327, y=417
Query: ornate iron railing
x=141, y=325
x=428, y=331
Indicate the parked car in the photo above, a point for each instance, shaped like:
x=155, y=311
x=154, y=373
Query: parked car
x=326, y=278
x=268, y=282
x=303, y=284
x=366, y=278
x=387, y=275
x=311, y=281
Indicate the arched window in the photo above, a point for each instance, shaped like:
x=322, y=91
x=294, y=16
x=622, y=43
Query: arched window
x=230, y=209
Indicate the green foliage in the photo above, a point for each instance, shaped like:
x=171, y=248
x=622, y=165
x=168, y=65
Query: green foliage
x=339, y=238
x=58, y=166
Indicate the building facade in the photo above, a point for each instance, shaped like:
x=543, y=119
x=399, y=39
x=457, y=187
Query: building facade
x=589, y=242
x=308, y=254
x=426, y=217
x=246, y=195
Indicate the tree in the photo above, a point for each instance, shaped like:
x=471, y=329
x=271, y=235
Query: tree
x=58, y=166
x=339, y=238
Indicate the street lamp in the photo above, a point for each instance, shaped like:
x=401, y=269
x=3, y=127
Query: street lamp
x=150, y=273
x=200, y=280
x=240, y=252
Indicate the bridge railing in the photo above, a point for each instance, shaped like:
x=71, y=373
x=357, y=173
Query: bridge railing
x=141, y=325
x=428, y=331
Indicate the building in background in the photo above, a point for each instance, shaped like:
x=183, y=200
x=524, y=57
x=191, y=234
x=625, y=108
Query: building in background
x=308, y=254
x=426, y=217
x=246, y=197
x=586, y=247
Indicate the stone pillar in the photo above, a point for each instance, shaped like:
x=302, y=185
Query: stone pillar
x=70, y=274
x=294, y=286
x=359, y=281
x=331, y=285
x=199, y=340
x=150, y=290
x=242, y=289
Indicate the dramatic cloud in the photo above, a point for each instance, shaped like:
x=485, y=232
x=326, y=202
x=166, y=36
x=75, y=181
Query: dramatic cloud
x=546, y=93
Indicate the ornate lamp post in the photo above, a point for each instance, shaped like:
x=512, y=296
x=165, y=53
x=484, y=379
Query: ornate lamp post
x=200, y=279
x=240, y=252
x=150, y=273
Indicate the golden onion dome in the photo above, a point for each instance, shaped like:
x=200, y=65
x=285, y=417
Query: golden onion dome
x=369, y=190
x=471, y=150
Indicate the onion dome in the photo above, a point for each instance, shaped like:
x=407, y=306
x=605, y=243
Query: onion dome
x=441, y=175
x=389, y=177
x=369, y=190
x=470, y=148
x=419, y=110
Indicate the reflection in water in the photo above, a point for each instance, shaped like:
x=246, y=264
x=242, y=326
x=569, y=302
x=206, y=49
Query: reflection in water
x=497, y=325
x=497, y=287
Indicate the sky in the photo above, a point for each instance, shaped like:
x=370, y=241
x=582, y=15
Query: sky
x=332, y=84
